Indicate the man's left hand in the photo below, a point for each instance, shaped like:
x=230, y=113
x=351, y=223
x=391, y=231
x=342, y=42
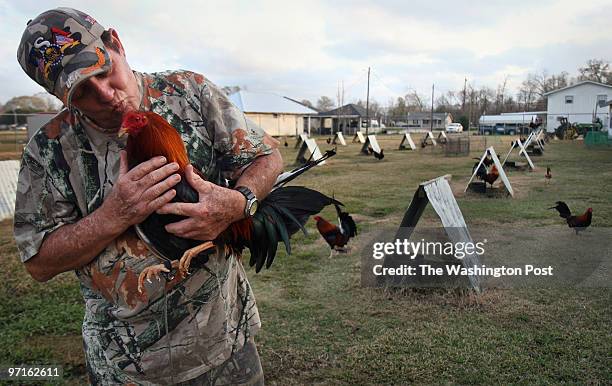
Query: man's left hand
x=217, y=208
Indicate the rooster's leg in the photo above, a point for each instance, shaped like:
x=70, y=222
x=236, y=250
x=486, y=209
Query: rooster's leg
x=151, y=272
x=189, y=254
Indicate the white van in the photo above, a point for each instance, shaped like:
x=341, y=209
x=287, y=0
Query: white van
x=454, y=128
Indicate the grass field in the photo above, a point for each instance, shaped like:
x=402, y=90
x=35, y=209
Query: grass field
x=321, y=326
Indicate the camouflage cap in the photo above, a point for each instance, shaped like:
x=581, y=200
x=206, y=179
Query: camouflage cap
x=62, y=47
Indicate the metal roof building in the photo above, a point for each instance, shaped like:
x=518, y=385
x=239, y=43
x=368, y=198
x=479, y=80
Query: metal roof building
x=276, y=114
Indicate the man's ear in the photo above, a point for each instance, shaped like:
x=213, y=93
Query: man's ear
x=116, y=40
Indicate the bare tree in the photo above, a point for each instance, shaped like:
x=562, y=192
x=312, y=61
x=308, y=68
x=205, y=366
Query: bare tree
x=375, y=108
x=325, y=103
x=528, y=93
x=306, y=102
x=499, y=97
x=597, y=70
x=415, y=102
x=228, y=90
x=398, y=110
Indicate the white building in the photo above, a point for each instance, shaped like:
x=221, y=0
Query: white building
x=579, y=103
x=276, y=114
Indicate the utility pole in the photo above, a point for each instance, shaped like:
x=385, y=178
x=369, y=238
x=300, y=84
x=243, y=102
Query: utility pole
x=432, y=104
x=367, y=105
x=15, y=122
x=464, y=90
x=343, y=119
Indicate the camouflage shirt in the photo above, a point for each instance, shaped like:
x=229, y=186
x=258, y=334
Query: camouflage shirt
x=175, y=330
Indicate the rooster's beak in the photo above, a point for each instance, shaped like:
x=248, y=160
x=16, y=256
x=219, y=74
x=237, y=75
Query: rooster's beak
x=122, y=131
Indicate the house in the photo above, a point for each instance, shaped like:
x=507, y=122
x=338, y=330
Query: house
x=582, y=102
x=348, y=119
x=276, y=114
x=422, y=120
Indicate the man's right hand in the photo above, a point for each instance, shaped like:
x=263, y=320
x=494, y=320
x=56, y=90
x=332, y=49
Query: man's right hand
x=140, y=191
x=136, y=194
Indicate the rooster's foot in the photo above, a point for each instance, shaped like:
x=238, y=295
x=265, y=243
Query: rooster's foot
x=153, y=271
x=189, y=254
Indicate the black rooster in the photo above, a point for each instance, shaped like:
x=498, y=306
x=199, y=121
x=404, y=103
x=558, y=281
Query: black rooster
x=579, y=223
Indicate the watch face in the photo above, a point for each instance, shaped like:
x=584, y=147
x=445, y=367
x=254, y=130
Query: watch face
x=253, y=208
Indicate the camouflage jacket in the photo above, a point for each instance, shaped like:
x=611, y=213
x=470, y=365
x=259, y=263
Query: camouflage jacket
x=174, y=331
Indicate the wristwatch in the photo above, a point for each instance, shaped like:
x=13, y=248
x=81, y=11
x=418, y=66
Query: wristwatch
x=251, y=201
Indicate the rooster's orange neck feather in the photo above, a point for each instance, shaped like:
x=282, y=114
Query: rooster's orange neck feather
x=158, y=138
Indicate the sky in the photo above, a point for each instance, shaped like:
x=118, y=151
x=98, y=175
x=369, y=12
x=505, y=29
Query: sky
x=305, y=49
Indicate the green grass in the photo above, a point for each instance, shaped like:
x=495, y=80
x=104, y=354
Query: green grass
x=321, y=326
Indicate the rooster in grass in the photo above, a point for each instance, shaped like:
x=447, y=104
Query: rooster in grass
x=487, y=176
x=282, y=213
x=488, y=160
x=379, y=156
x=491, y=176
x=337, y=236
x=579, y=223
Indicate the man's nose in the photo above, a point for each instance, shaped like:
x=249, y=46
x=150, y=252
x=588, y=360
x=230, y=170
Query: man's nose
x=102, y=88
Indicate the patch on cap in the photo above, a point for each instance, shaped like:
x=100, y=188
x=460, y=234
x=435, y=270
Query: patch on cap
x=60, y=48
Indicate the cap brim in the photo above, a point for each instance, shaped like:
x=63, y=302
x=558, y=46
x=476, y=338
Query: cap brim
x=91, y=61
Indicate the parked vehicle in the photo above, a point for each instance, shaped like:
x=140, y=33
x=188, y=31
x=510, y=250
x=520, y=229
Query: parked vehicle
x=454, y=128
x=507, y=124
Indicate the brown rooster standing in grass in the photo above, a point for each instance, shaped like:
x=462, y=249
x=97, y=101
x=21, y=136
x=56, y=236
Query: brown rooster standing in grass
x=548, y=174
x=337, y=236
x=282, y=213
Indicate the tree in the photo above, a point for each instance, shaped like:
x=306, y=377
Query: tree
x=597, y=70
x=375, y=109
x=528, y=94
x=26, y=105
x=308, y=103
x=397, y=110
x=229, y=90
x=464, y=122
x=325, y=103
x=414, y=101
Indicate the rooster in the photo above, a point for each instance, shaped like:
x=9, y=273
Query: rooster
x=282, y=213
x=548, y=174
x=579, y=223
x=337, y=236
x=379, y=156
x=484, y=175
x=491, y=176
x=488, y=160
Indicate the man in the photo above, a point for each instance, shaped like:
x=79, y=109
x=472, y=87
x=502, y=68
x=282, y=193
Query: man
x=77, y=202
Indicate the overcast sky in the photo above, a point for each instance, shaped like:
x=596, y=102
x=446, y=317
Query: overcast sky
x=302, y=49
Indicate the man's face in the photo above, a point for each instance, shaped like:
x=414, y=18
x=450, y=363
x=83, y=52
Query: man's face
x=106, y=97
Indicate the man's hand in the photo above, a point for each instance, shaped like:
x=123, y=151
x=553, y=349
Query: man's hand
x=136, y=194
x=217, y=208
x=141, y=191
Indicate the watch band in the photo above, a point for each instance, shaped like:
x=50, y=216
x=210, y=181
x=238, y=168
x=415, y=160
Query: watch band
x=251, y=200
